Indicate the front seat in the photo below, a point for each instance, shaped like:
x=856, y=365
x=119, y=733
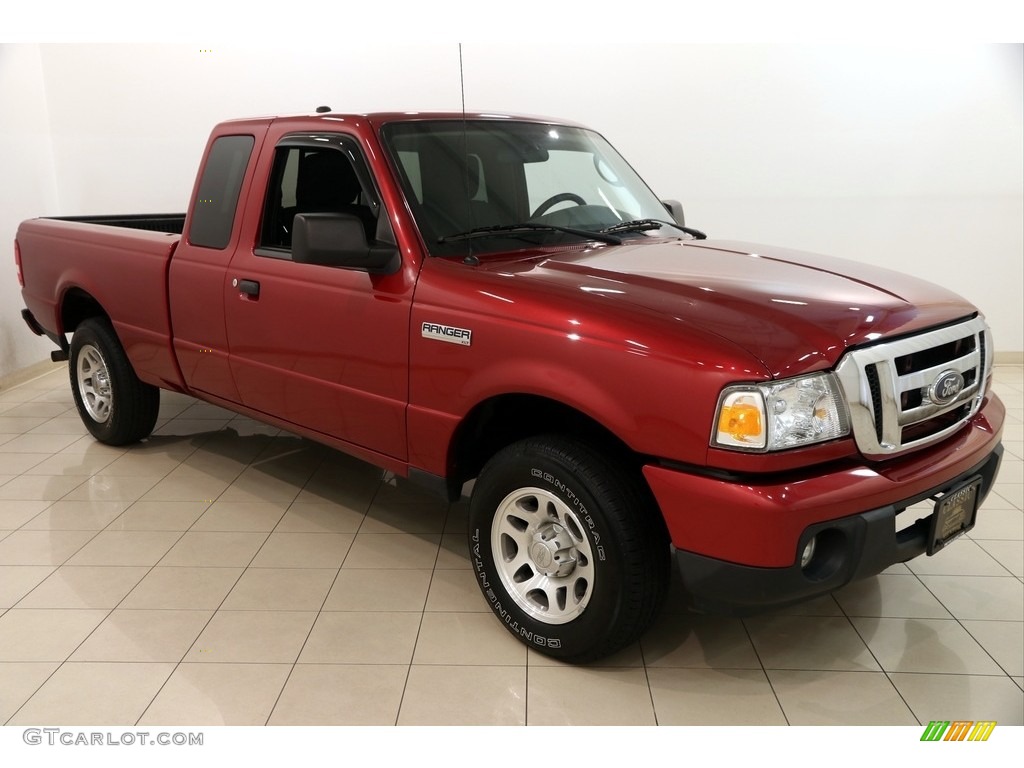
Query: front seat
x=327, y=183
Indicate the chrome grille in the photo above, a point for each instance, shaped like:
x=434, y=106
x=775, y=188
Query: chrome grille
x=897, y=390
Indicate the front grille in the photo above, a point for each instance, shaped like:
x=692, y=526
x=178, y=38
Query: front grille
x=871, y=373
x=914, y=391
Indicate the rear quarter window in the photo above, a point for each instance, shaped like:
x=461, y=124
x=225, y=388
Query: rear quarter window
x=213, y=214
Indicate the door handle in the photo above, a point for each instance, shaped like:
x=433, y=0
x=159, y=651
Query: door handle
x=248, y=287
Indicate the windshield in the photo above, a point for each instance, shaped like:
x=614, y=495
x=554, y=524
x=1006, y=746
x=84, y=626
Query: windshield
x=483, y=186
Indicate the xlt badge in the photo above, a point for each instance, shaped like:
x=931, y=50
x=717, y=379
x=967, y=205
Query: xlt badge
x=448, y=333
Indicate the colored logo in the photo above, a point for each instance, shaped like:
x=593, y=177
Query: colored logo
x=958, y=730
x=946, y=387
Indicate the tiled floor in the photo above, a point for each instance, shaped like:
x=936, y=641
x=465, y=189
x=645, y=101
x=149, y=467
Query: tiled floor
x=224, y=572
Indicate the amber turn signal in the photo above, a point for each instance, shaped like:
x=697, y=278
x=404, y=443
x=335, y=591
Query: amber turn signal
x=741, y=421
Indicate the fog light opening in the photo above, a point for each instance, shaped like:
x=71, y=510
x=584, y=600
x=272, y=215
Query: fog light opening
x=824, y=554
x=808, y=554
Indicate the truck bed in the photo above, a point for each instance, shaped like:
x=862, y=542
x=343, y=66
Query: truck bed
x=116, y=265
x=170, y=223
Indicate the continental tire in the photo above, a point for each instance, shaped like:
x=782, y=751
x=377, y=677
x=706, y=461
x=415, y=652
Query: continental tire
x=567, y=547
x=114, y=405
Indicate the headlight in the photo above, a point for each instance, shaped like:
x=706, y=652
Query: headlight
x=783, y=414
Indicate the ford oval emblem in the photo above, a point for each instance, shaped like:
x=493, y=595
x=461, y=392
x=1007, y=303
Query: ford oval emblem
x=947, y=386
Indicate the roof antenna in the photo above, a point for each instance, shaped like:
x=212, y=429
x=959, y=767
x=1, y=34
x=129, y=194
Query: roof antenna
x=470, y=259
x=321, y=110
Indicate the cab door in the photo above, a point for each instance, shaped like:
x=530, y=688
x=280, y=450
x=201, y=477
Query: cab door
x=325, y=348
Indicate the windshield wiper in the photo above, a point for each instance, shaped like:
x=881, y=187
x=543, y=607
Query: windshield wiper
x=644, y=225
x=505, y=229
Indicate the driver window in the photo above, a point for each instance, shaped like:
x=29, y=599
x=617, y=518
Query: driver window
x=310, y=180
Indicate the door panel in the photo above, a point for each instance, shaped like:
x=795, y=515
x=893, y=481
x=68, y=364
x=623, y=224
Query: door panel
x=323, y=347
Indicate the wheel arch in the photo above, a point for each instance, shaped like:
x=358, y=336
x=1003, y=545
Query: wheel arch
x=77, y=305
x=504, y=419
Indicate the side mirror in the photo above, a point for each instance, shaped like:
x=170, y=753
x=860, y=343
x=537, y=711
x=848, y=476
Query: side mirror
x=675, y=209
x=339, y=240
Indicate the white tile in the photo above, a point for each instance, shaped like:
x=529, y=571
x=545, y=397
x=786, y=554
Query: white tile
x=215, y=549
x=252, y=637
x=97, y=694
x=183, y=588
x=890, y=595
x=281, y=589
x=467, y=639
x=42, y=547
x=125, y=548
x=382, y=589
x=352, y=637
x=961, y=697
x=839, y=698
x=925, y=645
x=14, y=514
x=218, y=694
x=308, y=517
x=1003, y=640
x=45, y=635
x=72, y=586
x=143, y=636
x=240, y=516
x=961, y=558
x=40, y=487
x=77, y=516
x=333, y=694
x=976, y=597
x=16, y=581
x=1009, y=554
x=689, y=640
x=21, y=681
x=713, y=697
x=588, y=696
x=393, y=550
x=464, y=696
x=809, y=642
x=303, y=550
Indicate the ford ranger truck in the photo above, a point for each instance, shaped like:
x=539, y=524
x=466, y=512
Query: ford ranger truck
x=502, y=299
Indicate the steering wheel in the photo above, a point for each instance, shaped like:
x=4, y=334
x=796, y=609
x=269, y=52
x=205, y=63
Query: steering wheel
x=561, y=197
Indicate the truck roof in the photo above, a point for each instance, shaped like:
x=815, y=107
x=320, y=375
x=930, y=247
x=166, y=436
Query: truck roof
x=379, y=118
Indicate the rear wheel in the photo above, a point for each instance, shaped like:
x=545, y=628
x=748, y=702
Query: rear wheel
x=567, y=548
x=114, y=405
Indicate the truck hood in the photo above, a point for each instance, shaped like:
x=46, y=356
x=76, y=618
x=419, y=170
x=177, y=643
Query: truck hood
x=795, y=311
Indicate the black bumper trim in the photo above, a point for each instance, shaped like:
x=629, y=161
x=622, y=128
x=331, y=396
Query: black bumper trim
x=32, y=323
x=850, y=548
x=34, y=326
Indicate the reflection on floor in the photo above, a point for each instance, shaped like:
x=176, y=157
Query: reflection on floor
x=224, y=572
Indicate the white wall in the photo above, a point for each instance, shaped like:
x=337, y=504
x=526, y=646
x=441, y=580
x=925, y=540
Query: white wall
x=904, y=156
x=909, y=157
x=28, y=187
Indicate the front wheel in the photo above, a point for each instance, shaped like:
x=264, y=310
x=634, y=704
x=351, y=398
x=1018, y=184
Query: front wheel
x=567, y=547
x=114, y=405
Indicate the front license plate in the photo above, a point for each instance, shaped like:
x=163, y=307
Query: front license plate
x=954, y=514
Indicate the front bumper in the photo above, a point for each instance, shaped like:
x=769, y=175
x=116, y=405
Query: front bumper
x=738, y=542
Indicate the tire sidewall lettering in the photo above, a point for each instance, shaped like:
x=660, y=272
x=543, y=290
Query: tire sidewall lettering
x=513, y=624
x=596, y=500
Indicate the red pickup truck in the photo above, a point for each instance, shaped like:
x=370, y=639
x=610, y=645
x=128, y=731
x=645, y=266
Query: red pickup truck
x=502, y=299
